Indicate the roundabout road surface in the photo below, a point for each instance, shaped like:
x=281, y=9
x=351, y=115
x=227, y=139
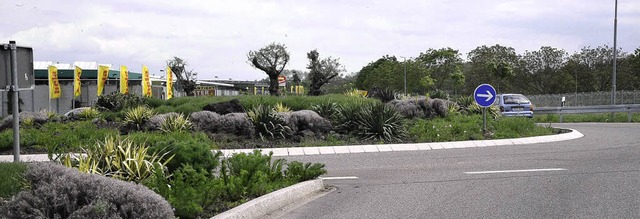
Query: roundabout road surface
x=596, y=176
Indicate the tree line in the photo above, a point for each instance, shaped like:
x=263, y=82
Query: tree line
x=545, y=71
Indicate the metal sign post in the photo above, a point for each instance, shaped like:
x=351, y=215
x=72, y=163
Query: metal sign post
x=484, y=95
x=15, y=108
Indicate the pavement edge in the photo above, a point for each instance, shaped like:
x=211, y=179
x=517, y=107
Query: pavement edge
x=263, y=205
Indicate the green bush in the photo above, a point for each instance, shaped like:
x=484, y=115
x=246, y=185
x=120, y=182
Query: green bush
x=89, y=114
x=154, y=102
x=327, y=110
x=186, y=148
x=190, y=191
x=116, y=101
x=299, y=172
x=11, y=178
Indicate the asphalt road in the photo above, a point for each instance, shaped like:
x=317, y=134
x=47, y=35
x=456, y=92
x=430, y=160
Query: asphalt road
x=596, y=176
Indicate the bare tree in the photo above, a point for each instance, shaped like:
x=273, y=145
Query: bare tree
x=271, y=59
x=185, y=79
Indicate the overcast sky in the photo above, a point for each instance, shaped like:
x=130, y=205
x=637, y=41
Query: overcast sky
x=215, y=36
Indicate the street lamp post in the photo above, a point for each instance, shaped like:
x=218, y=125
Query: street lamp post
x=405, y=74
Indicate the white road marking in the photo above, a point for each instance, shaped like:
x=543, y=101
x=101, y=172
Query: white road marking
x=516, y=171
x=340, y=177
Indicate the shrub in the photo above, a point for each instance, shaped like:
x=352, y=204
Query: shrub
x=299, y=172
x=190, y=191
x=135, y=118
x=154, y=102
x=116, y=101
x=60, y=192
x=176, y=123
x=120, y=159
x=88, y=114
x=268, y=123
x=185, y=148
x=251, y=175
x=345, y=118
x=302, y=120
x=379, y=121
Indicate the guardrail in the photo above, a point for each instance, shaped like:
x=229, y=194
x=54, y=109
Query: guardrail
x=629, y=109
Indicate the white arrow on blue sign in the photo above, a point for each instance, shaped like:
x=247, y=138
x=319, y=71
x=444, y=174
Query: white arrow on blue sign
x=484, y=95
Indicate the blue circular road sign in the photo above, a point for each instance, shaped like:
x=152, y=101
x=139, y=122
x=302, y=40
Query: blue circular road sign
x=484, y=95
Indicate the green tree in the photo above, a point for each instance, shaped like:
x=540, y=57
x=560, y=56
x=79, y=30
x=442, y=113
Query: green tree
x=185, y=79
x=542, y=72
x=442, y=64
x=596, y=65
x=491, y=65
x=377, y=74
x=271, y=59
x=321, y=71
x=388, y=73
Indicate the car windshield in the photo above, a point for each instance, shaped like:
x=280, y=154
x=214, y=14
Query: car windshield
x=515, y=99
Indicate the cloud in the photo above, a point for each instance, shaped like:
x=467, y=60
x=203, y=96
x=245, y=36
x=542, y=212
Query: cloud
x=214, y=36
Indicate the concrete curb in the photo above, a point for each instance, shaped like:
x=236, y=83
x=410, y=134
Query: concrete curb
x=259, y=207
x=302, y=151
x=350, y=149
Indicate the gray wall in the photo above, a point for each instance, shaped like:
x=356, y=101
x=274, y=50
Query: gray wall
x=38, y=98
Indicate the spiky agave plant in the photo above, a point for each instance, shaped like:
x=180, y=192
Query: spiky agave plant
x=379, y=121
x=176, y=123
x=268, y=123
x=138, y=116
x=281, y=108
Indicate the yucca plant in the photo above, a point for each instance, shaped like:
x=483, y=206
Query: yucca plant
x=268, y=123
x=88, y=114
x=279, y=107
x=176, y=123
x=136, y=117
x=327, y=110
x=118, y=158
x=379, y=121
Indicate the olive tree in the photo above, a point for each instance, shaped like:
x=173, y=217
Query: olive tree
x=321, y=71
x=271, y=59
x=185, y=79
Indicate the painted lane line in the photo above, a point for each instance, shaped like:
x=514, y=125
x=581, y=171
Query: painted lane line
x=516, y=171
x=339, y=177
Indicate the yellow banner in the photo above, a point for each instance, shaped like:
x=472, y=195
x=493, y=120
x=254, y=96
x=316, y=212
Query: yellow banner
x=76, y=81
x=169, y=83
x=146, y=83
x=124, y=80
x=103, y=74
x=54, y=86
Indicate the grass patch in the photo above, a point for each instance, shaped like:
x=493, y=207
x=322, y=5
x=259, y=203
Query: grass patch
x=593, y=117
x=469, y=127
x=11, y=178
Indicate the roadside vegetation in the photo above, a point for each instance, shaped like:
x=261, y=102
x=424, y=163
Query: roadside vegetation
x=594, y=117
x=169, y=147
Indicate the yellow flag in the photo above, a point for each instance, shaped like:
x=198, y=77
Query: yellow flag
x=169, y=83
x=146, y=83
x=76, y=81
x=124, y=80
x=103, y=74
x=54, y=86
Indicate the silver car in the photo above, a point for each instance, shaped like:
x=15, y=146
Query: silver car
x=514, y=105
